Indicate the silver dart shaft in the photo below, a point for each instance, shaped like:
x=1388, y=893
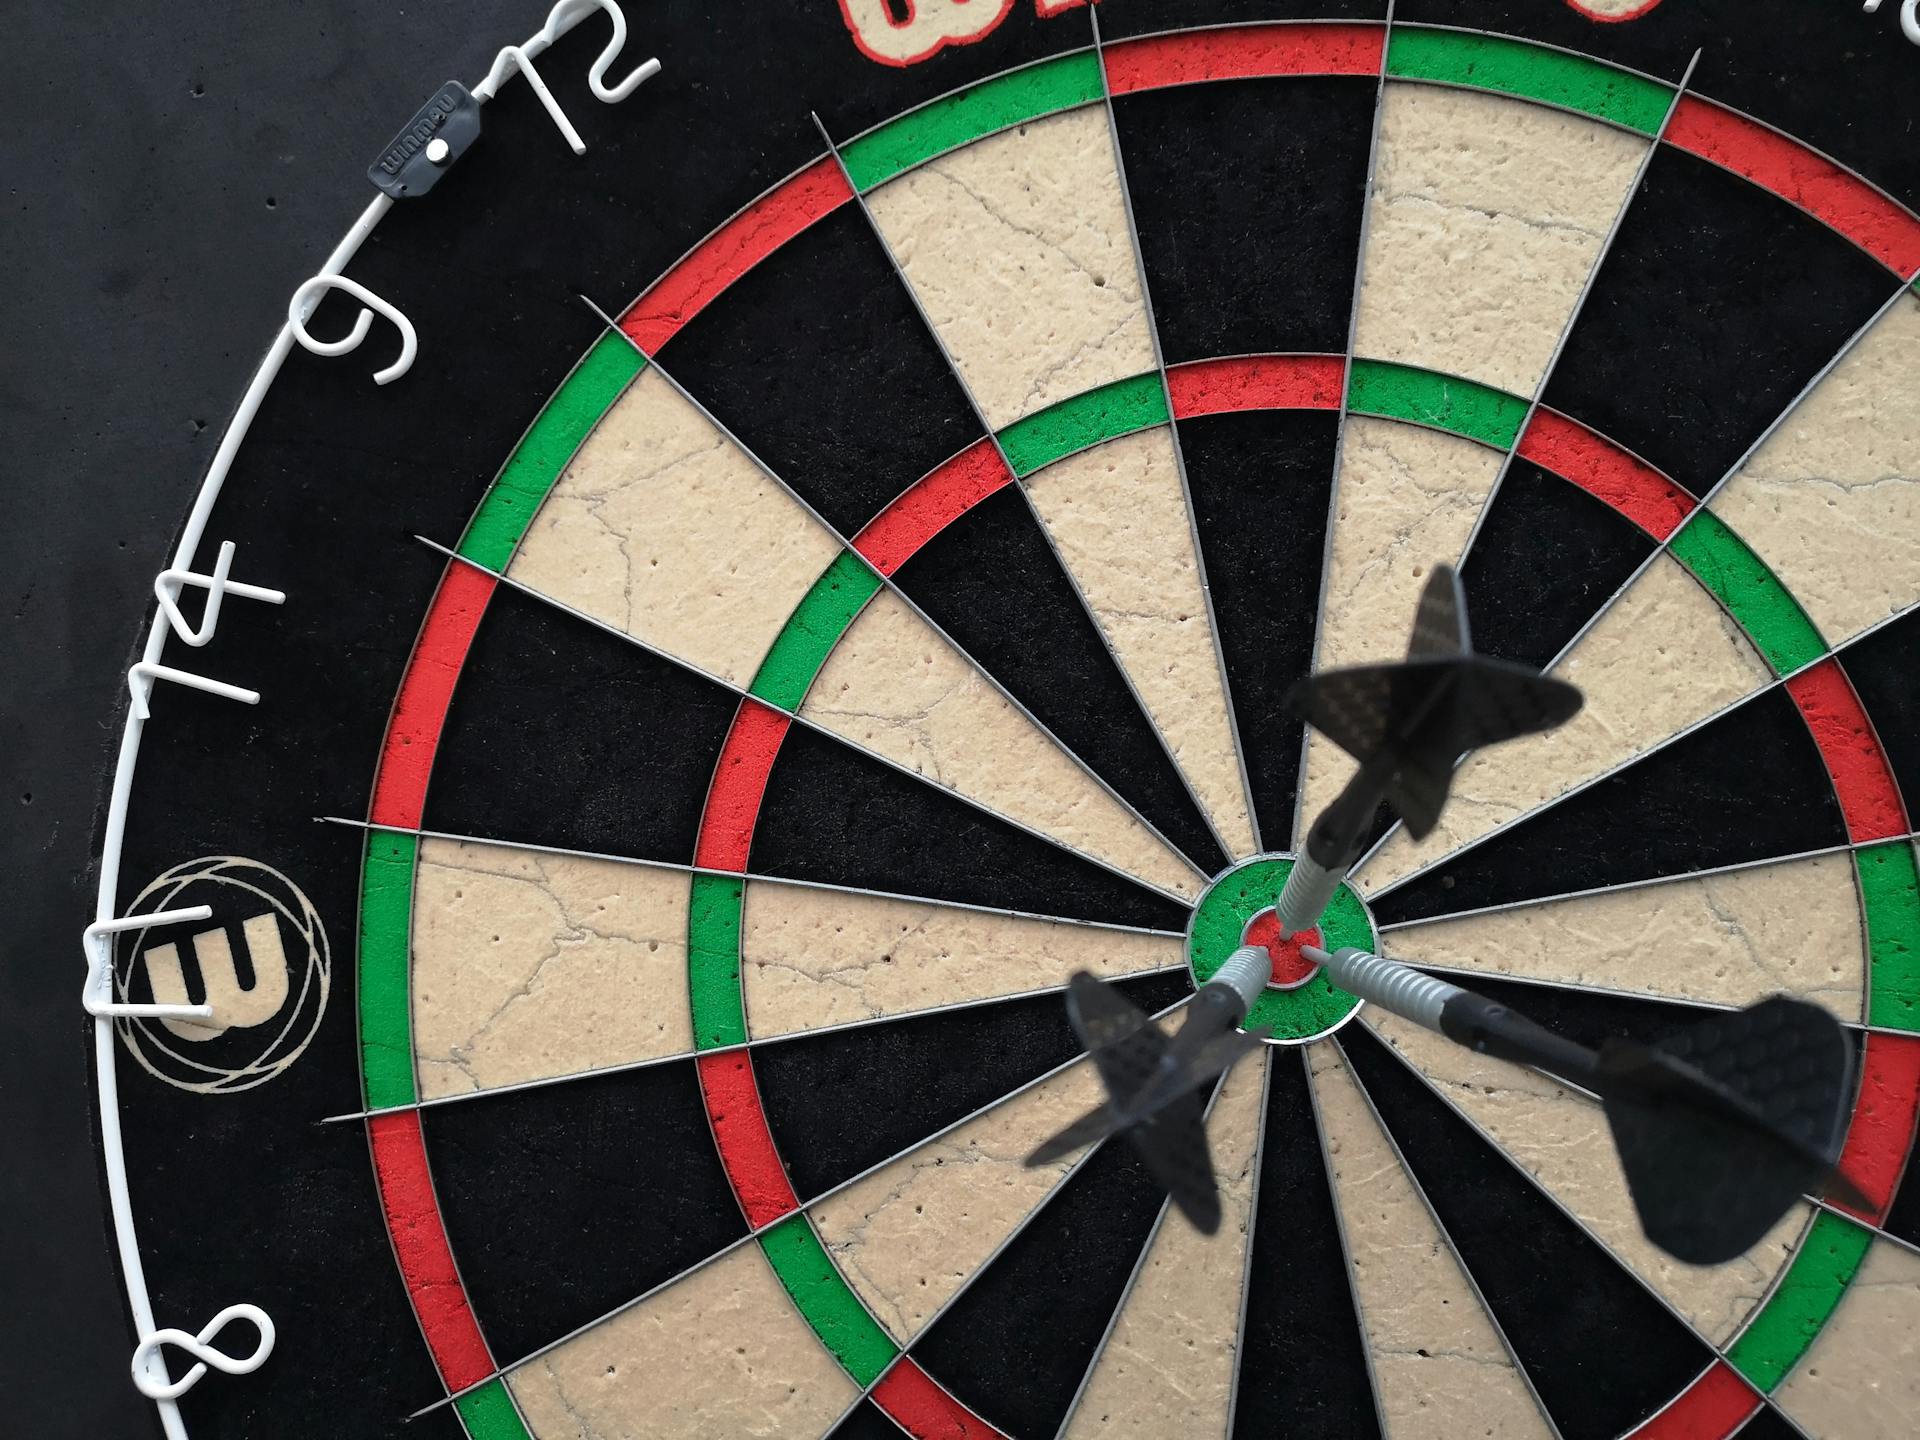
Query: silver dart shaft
x=1387, y=983
x=1246, y=973
x=1305, y=896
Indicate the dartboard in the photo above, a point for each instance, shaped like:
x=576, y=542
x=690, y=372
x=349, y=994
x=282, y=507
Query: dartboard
x=739, y=578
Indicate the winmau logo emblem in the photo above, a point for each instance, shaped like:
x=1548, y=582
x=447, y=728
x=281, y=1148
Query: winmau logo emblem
x=425, y=126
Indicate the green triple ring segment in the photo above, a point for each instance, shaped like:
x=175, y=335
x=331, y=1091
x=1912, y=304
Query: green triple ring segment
x=1307, y=1011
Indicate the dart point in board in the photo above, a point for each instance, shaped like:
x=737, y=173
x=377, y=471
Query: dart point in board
x=1408, y=724
x=1719, y=1129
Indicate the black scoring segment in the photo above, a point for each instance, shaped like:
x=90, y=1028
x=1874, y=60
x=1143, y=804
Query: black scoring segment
x=1883, y=667
x=1602, y=1353
x=562, y=733
x=565, y=1201
x=866, y=1421
x=1749, y=785
x=819, y=362
x=1768, y=1424
x=627, y=743
x=1718, y=303
x=1547, y=557
x=1248, y=197
x=1260, y=482
x=835, y=816
x=992, y=581
x=1303, y=1361
x=840, y=1103
x=1016, y=1344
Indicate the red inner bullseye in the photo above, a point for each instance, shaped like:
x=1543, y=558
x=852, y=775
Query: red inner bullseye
x=1291, y=969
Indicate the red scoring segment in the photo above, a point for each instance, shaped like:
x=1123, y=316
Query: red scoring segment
x=890, y=539
x=1244, y=53
x=1607, y=472
x=919, y=1405
x=1709, y=1409
x=739, y=785
x=745, y=1143
x=1883, y=1119
x=420, y=710
x=732, y=250
x=1879, y=225
x=1862, y=779
x=420, y=1245
x=1257, y=382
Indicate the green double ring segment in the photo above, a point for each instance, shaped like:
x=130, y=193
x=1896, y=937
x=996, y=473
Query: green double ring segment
x=1416, y=54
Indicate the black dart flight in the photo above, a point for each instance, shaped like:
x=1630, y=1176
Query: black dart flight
x=1720, y=1129
x=1153, y=1080
x=1408, y=723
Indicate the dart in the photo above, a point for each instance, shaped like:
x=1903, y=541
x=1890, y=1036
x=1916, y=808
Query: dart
x=1408, y=724
x=1153, y=1080
x=1719, y=1129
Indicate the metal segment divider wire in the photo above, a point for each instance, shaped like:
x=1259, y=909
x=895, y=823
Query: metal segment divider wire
x=807, y=722
x=1778, y=682
x=1020, y=484
x=1719, y=1352
x=892, y=586
x=1173, y=429
x=1296, y=841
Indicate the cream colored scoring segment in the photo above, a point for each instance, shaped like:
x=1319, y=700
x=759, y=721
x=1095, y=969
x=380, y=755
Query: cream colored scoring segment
x=1119, y=515
x=1406, y=501
x=722, y=1351
x=1729, y=939
x=1018, y=247
x=1664, y=657
x=1168, y=1366
x=664, y=528
x=895, y=687
x=528, y=965
x=1860, y=1380
x=1561, y=1138
x=1441, y=1368
x=1832, y=500
x=911, y=1234
x=826, y=957
x=1487, y=217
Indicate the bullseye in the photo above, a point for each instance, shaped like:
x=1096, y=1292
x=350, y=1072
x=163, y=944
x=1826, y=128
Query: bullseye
x=1299, y=1004
x=1291, y=969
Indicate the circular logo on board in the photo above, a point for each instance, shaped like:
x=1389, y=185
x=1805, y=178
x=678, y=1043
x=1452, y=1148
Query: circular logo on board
x=1613, y=12
x=260, y=961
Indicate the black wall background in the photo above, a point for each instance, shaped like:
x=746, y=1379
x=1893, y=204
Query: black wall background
x=170, y=174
